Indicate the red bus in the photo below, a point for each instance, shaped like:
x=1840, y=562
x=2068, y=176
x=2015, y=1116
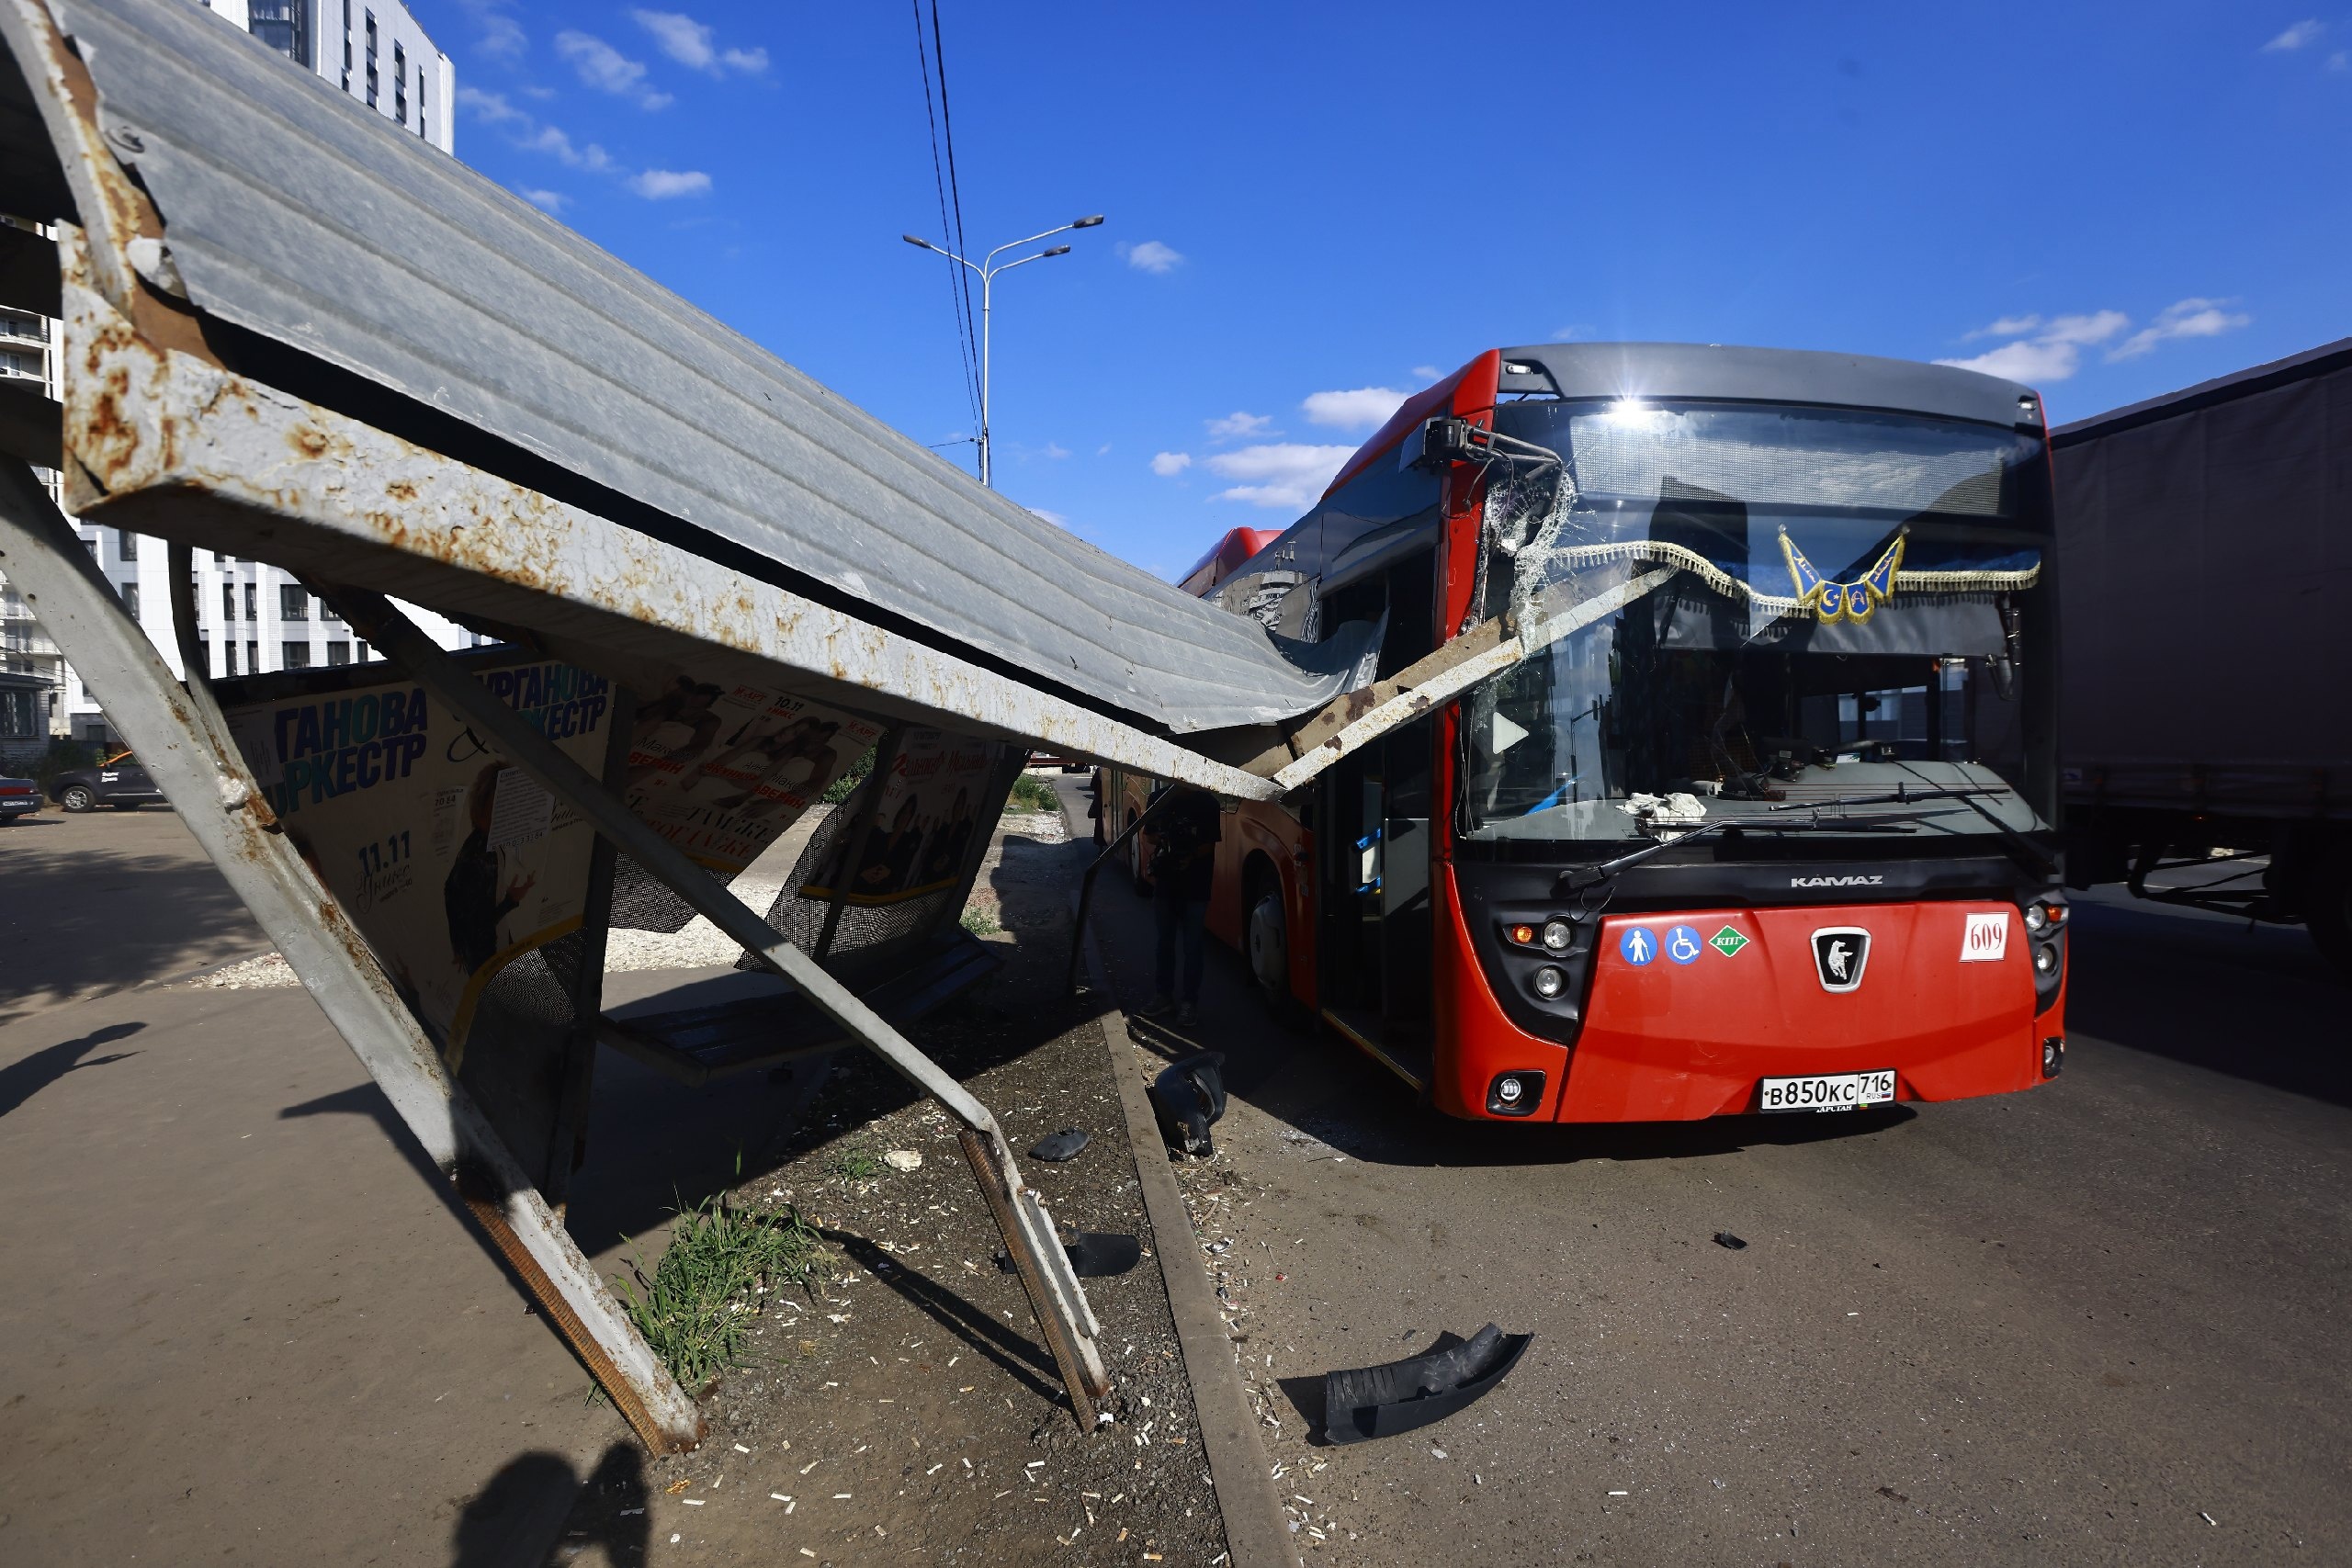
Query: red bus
x=1764, y=818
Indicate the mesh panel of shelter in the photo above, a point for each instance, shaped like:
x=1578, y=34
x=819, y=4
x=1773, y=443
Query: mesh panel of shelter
x=867, y=933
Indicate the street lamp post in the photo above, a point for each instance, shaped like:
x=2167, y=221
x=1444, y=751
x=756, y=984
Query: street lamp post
x=988, y=269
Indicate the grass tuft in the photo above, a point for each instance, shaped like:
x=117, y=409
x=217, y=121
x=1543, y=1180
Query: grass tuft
x=856, y=1163
x=697, y=1309
x=1033, y=794
x=979, y=922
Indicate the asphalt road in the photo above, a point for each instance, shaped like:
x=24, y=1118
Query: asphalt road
x=2100, y=1322
x=92, y=903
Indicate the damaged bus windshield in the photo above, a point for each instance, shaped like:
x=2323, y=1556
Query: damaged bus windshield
x=1816, y=619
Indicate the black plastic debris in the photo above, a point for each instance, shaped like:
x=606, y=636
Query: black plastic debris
x=1093, y=1255
x=1725, y=1239
x=1188, y=1098
x=1380, y=1402
x=1061, y=1146
x=1098, y=1255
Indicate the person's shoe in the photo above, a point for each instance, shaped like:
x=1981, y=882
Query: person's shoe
x=1187, y=1014
x=1155, y=1007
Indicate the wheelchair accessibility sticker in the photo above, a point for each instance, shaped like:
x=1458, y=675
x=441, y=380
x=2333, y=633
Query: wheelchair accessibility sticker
x=1682, y=945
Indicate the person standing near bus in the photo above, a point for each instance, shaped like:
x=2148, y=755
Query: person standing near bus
x=1184, y=831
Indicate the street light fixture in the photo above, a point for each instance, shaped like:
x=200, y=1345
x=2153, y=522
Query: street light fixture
x=988, y=269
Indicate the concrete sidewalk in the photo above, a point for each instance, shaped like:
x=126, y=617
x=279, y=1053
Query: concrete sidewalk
x=243, y=1322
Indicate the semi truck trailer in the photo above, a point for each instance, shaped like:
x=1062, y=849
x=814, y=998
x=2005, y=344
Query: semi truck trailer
x=2205, y=547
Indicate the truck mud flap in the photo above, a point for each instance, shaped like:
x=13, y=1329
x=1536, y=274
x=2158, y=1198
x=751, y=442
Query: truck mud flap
x=1380, y=1402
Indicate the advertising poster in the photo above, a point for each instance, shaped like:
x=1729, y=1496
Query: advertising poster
x=721, y=770
x=924, y=825
x=451, y=863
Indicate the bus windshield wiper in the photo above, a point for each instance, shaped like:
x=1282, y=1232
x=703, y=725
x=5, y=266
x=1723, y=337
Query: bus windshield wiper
x=2022, y=850
x=1593, y=875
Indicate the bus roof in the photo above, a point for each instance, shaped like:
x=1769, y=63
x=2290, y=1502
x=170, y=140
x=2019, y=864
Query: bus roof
x=1764, y=375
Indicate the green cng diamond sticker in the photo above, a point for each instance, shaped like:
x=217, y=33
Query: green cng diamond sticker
x=1727, y=942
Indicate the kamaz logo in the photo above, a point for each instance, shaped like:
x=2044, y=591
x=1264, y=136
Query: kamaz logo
x=1835, y=881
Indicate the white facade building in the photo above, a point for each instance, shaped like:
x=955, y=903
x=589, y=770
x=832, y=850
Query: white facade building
x=251, y=618
x=371, y=48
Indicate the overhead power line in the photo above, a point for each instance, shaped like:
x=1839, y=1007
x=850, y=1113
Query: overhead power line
x=955, y=191
x=960, y=301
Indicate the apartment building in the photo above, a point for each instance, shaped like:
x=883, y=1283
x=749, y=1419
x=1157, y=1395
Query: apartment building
x=251, y=618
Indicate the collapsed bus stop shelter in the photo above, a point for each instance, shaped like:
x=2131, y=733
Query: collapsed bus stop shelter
x=294, y=334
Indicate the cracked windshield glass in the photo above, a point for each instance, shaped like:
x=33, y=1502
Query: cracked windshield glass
x=1800, y=618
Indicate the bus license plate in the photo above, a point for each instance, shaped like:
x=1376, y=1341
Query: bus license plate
x=1829, y=1092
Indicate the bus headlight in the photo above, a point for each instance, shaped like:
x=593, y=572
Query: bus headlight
x=1558, y=934
x=2037, y=919
x=2046, y=961
x=1549, y=982
x=2053, y=1055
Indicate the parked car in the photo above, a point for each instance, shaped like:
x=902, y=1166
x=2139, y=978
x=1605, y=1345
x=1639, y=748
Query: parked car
x=19, y=797
x=118, y=781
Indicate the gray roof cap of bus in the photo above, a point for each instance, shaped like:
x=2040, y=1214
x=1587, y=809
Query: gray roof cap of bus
x=1767, y=374
x=2327, y=358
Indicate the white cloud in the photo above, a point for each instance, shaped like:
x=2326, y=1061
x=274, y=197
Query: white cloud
x=2027, y=360
x=1284, y=474
x=2183, y=318
x=501, y=35
x=1426, y=372
x=1151, y=256
x=2308, y=30
x=530, y=135
x=1239, y=426
x=491, y=108
x=2052, y=353
x=1054, y=449
x=661, y=185
x=2340, y=60
x=2008, y=326
x=692, y=44
x=546, y=201
x=1055, y=518
x=1570, y=334
x=1168, y=465
x=2051, y=349
x=607, y=70
x=2097, y=327
x=1361, y=409
x=551, y=140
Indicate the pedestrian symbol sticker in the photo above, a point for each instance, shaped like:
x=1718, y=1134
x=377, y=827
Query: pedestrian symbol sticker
x=1682, y=945
x=1727, y=942
x=1639, y=946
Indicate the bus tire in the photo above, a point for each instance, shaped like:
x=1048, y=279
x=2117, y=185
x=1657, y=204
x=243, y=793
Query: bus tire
x=1267, y=944
x=1135, y=876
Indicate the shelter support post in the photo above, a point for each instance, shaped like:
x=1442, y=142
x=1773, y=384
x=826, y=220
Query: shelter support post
x=1063, y=1314
x=569, y=1138
x=184, y=742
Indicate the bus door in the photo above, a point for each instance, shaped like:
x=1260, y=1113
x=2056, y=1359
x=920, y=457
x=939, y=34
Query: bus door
x=1374, y=942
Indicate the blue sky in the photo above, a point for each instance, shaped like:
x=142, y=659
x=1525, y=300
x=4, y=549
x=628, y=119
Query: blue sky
x=1314, y=209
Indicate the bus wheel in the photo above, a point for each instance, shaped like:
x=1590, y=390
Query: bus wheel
x=1135, y=860
x=1269, y=949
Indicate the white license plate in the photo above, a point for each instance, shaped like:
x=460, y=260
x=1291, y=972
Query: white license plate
x=1829, y=1092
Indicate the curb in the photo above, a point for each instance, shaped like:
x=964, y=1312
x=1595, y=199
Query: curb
x=1255, y=1531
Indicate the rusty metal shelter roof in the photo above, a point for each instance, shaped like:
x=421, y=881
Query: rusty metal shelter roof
x=328, y=255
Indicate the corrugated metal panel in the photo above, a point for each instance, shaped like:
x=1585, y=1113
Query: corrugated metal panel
x=295, y=214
